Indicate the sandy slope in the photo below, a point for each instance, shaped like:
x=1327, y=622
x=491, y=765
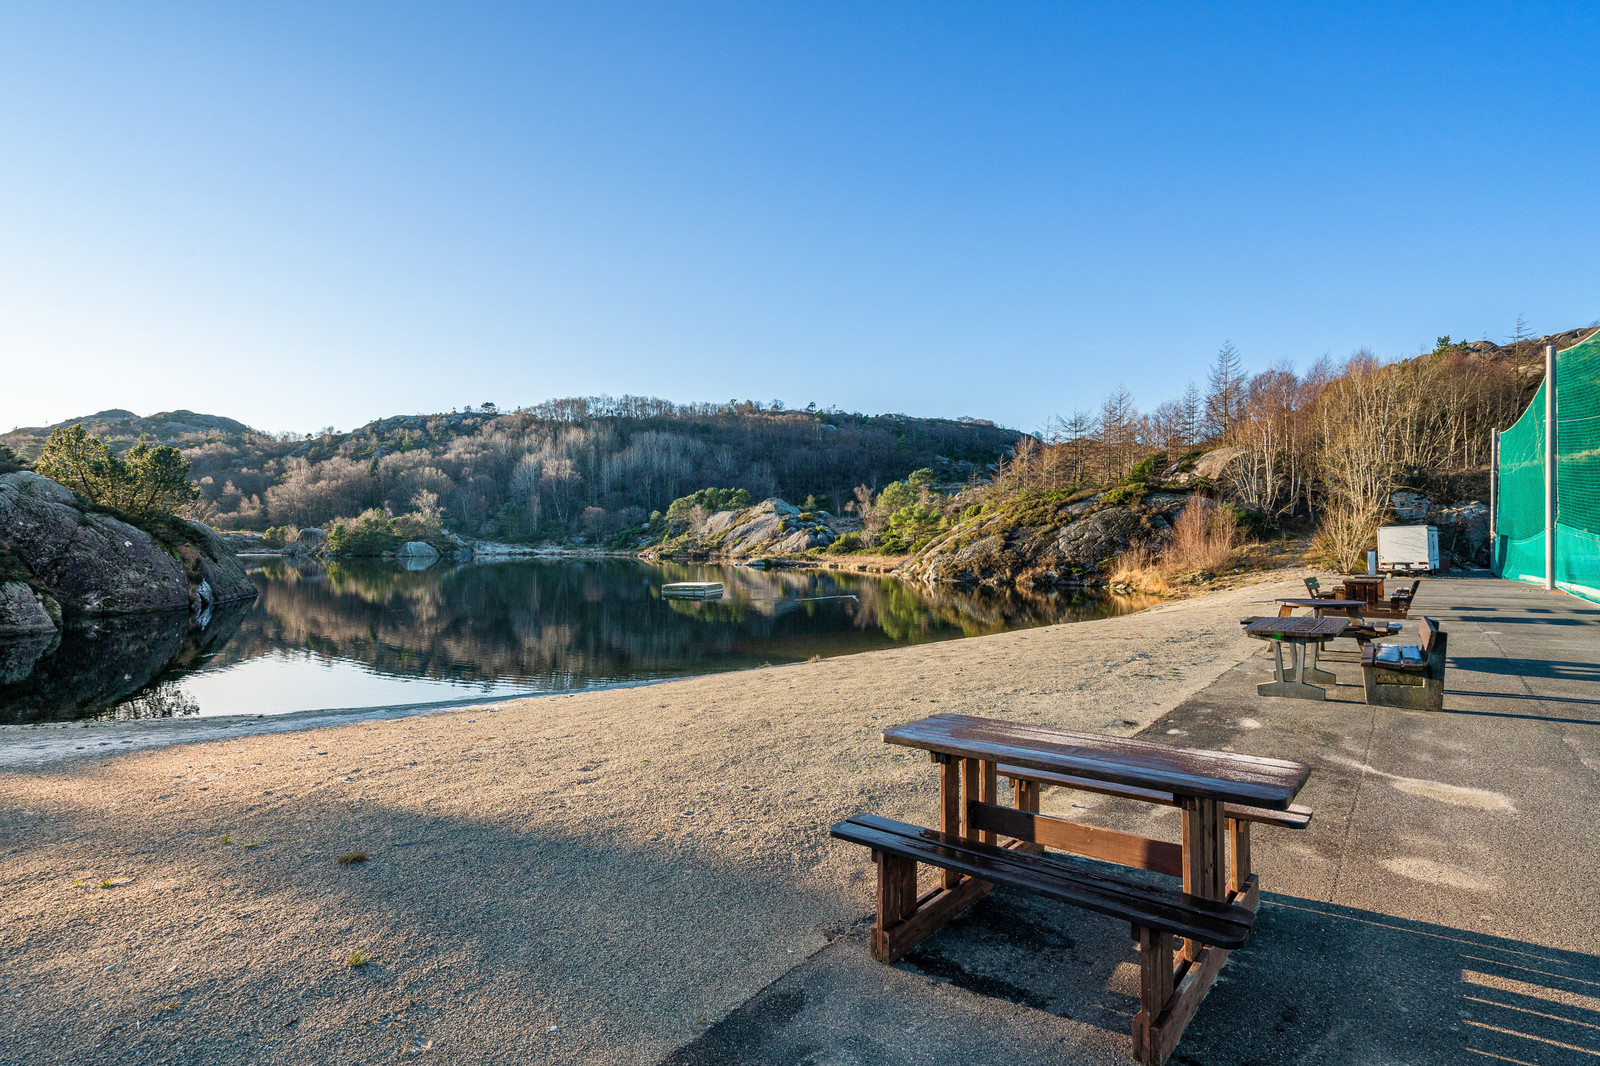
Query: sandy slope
x=582, y=878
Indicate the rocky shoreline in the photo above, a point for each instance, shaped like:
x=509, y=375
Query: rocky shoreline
x=62, y=560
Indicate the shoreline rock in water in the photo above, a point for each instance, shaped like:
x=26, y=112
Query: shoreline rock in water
x=77, y=562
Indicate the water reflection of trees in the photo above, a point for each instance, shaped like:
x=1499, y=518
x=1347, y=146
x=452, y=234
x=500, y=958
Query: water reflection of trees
x=573, y=622
x=558, y=624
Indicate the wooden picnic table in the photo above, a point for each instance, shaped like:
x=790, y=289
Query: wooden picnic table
x=1219, y=792
x=1351, y=608
x=1365, y=587
x=1304, y=635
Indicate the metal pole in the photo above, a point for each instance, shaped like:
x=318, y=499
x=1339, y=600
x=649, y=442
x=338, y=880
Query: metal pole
x=1550, y=466
x=1494, y=500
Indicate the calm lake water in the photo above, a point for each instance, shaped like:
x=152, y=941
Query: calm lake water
x=365, y=635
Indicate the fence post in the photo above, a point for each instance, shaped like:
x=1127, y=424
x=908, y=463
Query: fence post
x=1494, y=501
x=1550, y=466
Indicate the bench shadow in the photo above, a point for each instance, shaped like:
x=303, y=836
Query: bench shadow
x=1550, y=669
x=1524, y=717
x=1317, y=983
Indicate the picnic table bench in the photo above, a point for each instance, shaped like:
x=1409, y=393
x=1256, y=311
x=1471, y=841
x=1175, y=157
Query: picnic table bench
x=1304, y=635
x=1184, y=934
x=1407, y=675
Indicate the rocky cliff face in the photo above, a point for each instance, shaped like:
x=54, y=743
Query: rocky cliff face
x=77, y=562
x=771, y=527
x=1042, y=542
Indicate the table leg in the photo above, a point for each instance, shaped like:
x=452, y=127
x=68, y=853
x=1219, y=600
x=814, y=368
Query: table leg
x=969, y=792
x=949, y=808
x=1204, y=867
x=1295, y=687
x=990, y=784
x=1238, y=853
x=1314, y=675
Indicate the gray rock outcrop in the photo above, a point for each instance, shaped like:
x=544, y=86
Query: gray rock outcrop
x=22, y=611
x=416, y=555
x=1041, y=547
x=94, y=564
x=771, y=527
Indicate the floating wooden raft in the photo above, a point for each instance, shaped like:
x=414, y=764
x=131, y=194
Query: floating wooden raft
x=693, y=590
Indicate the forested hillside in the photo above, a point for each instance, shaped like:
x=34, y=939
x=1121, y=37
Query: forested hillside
x=581, y=466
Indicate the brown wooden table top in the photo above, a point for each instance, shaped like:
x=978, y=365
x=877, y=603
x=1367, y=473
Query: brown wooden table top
x=1220, y=775
x=1300, y=627
x=1365, y=579
x=1306, y=602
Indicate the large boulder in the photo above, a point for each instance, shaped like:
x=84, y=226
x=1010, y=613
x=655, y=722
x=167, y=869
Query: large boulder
x=417, y=555
x=22, y=611
x=94, y=564
x=771, y=527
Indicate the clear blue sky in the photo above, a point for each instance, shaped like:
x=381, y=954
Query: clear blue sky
x=310, y=214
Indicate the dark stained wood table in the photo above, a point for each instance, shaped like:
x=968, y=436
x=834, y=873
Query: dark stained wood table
x=1304, y=635
x=1366, y=587
x=1216, y=790
x=1350, y=608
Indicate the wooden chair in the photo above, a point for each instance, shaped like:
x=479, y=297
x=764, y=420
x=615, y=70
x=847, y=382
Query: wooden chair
x=1314, y=590
x=1407, y=675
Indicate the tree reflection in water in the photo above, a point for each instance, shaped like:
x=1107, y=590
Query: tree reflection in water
x=535, y=625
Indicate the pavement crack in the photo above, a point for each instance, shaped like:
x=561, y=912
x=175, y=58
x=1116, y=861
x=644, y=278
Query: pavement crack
x=1355, y=802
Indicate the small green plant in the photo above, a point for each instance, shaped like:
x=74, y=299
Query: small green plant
x=227, y=841
x=107, y=883
x=351, y=858
x=358, y=959
x=1120, y=494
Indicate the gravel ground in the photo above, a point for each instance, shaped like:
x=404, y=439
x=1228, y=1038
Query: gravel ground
x=591, y=878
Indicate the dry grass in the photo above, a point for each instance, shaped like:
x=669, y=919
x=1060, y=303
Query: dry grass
x=351, y=858
x=1205, y=539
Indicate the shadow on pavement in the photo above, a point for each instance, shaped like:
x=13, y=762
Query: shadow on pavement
x=1018, y=977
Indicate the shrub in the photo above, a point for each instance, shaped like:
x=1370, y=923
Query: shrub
x=1120, y=494
x=1145, y=470
x=910, y=528
x=375, y=533
x=369, y=534
x=142, y=482
x=9, y=460
x=1203, y=538
x=710, y=500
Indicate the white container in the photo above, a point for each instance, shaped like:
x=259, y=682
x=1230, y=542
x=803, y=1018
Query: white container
x=1409, y=548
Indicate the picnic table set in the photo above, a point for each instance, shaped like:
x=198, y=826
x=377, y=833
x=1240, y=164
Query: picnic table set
x=1389, y=671
x=1185, y=929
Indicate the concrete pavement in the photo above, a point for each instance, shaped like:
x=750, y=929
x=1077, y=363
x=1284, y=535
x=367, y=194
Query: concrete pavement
x=1443, y=906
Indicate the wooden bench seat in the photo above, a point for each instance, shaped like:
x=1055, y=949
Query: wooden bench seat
x=1227, y=925
x=1296, y=817
x=1407, y=675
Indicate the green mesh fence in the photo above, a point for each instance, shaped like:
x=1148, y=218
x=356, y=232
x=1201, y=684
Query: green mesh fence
x=1519, y=512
